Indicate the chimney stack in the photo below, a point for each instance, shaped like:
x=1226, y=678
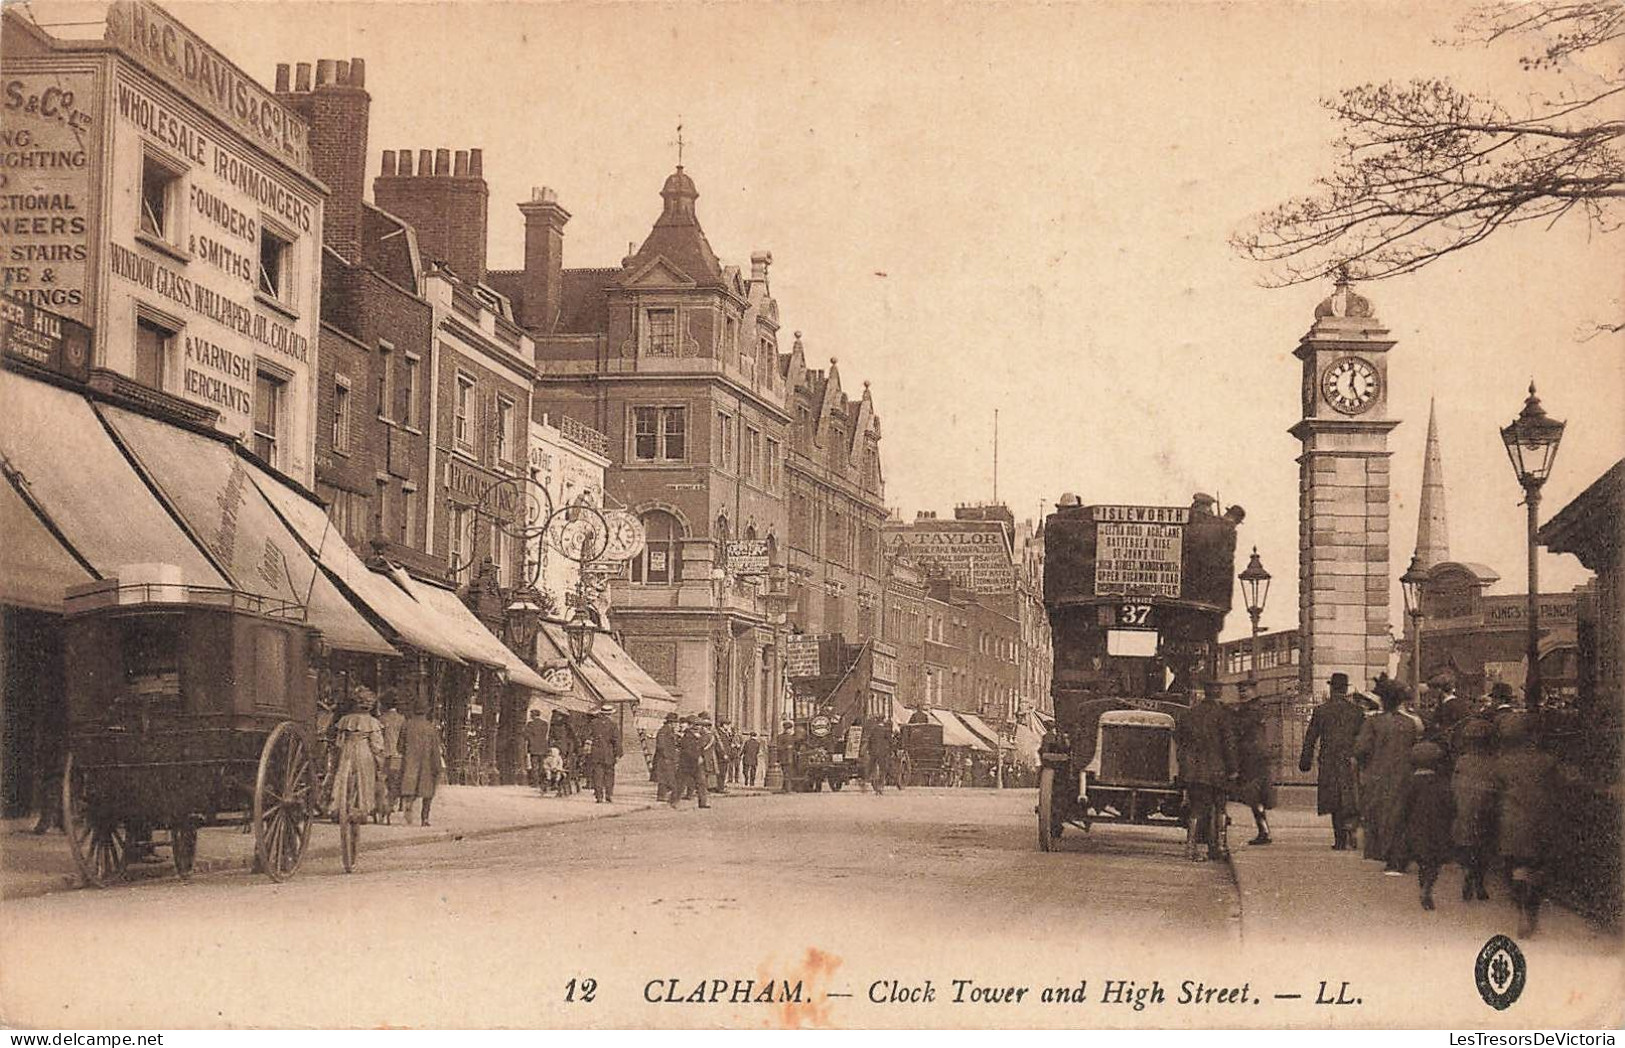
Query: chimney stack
x=543, y=285
x=759, y=261
x=445, y=200
x=337, y=110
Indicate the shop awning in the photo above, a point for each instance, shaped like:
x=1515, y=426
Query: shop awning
x=34, y=566
x=617, y=663
x=552, y=646
x=954, y=731
x=900, y=714
x=411, y=622
x=600, y=683
x=207, y=484
x=983, y=730
x=468, y=634
x=53, y=445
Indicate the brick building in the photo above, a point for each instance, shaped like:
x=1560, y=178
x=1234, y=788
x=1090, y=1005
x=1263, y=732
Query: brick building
x=372, y=446
x=673, y=356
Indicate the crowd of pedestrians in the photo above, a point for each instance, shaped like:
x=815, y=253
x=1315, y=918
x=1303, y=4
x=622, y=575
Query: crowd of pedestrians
x=396, y=758
x=1468, y=783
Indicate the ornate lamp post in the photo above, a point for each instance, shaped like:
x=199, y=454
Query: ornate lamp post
x=1531, y=441
x=580, y=631
x=1411, y=584
x=1255, y=590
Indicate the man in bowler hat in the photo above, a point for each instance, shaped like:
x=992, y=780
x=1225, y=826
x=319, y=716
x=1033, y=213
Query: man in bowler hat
x=1333, y=727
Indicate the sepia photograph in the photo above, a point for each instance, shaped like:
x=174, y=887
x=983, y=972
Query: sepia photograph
x=568, y=514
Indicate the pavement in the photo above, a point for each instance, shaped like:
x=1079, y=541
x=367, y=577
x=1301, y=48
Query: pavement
x=33, y=864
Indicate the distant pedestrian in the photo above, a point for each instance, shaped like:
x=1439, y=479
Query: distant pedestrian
x=1333, y=727
x=1383, y=750
x=876, y=753
x=666, y=758
x=604, y=742
x=749, y=754
x=360, y=739
x=422, y=765
x=1526, y=781
x=538, y=734
x=785, y=744
x=722, y=755
x=695, y=759
x=1207, y=763
x=1472, y=784
x=1424, y=817
x=1254, y=787
x=901, y=763
x=393, y=721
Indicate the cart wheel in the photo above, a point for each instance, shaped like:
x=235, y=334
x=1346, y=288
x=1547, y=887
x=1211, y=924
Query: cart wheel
x=284, y=799
x=350, y=816
x=1049, y=831
x=183, y=848
x=100, y=845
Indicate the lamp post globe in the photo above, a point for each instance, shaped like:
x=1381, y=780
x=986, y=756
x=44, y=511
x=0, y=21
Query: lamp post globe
x=1255, y=590
x=1411, y=584
x=1531, y=441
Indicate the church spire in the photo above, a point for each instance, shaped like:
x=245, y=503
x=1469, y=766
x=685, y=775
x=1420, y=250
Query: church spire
x=1432, y=526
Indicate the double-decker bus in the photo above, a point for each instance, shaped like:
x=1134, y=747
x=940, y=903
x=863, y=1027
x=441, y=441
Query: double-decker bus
x=1136, y=596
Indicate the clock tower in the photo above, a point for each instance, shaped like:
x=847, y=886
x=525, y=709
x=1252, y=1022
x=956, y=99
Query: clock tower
x=1343, y=569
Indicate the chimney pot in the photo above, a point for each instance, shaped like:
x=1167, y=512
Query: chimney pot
x=358, y=72
x=341, y=74
x=442, y=162
x=476, y=163
x=460, y=164
x=301, y=77
x=389, y=163
x=405, y=168
x=425, y=162
x=281, y=77
x=324, y=71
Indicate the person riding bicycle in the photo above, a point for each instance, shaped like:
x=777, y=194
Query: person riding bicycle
x=359, y=739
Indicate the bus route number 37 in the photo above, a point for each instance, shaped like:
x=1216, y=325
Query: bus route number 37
x=1134, y=614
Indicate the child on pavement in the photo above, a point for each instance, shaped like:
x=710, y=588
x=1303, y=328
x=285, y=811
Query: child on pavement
x=1425, y=814
x=553, y=771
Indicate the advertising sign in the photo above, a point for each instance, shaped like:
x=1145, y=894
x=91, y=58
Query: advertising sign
x=1139, y=550
x=974, y=555
x=201, y=73
x=43, y=339
x=801, y=656
x=46, y=210
x=747, y=558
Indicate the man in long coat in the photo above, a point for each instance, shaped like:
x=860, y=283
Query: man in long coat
x=695, y=759
x=1333, y=727
x=606, y=750
x=422, y=766
x=1207, y=762
x=785, y=744
x=1383, y=751
x=665, y=770
x=538, y=732
x=877, y=747
x=749, y=754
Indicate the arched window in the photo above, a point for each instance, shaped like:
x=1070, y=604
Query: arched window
x=661, y=561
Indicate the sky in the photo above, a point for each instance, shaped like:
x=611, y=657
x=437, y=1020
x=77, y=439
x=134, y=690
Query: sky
x=1020, y=208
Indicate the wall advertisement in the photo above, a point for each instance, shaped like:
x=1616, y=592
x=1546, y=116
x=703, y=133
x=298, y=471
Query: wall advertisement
x=190, y=258
x=50, y=135
x=975, y=555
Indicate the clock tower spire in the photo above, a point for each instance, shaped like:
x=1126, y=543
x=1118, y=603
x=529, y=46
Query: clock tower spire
x=1343, y=555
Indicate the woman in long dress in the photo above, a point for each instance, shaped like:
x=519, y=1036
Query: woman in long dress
x=359, y=737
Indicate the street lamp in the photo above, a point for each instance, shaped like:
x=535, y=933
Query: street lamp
x=1411, y=584
x=580, y=631
x=1531, y=440
x=1255, y=590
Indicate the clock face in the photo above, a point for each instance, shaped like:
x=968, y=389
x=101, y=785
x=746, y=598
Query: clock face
x=1350, y=385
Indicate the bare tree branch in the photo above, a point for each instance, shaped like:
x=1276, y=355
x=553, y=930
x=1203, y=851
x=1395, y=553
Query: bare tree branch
x=1424, y=169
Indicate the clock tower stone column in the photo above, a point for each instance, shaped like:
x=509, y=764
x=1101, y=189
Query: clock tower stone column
x=1343, y=569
